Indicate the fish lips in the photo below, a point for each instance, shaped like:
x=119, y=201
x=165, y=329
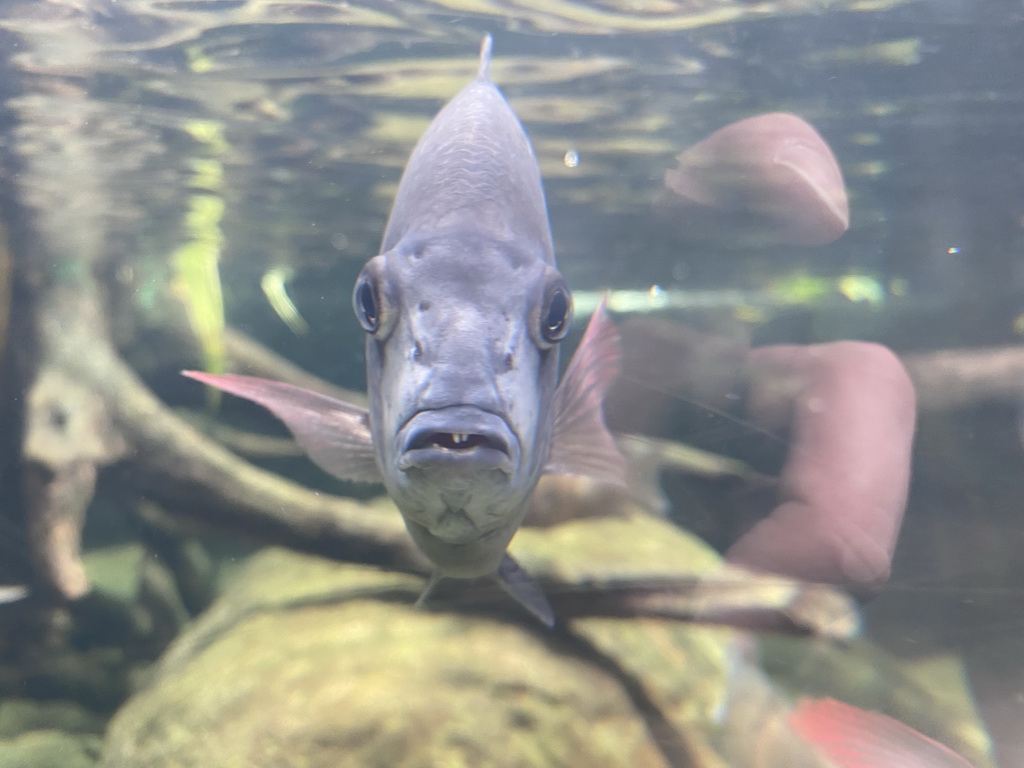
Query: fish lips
x=459, y=438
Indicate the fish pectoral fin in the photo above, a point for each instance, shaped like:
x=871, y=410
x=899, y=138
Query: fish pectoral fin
x=581, y=443
x=333, y=433
x=524, y=590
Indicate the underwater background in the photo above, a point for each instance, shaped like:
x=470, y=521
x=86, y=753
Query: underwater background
x=197, y=184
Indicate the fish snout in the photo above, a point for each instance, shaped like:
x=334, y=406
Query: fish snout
x=458, y=437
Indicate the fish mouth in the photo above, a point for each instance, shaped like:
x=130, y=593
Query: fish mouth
x=457, y=437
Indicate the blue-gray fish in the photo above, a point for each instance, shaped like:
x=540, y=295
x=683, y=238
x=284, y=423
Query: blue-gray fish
x=464, y=311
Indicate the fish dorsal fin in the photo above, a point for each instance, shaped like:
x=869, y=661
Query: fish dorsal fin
x=581, y=443
x=333, y=433
x=484, y=72
x=518, y=583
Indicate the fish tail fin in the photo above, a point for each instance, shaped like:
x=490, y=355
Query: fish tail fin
x=524, y=590
x=484, y=73
x=852, y=737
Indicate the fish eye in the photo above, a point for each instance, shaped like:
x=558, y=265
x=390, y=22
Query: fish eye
x=556, y=315
x=364, y=300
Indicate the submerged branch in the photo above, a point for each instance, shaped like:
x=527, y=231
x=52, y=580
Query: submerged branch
x=731, y=597
x=959, y=378
x=246, y=355
x=197, y=477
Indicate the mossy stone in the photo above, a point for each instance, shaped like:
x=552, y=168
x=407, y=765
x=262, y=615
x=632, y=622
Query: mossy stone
x=304, y=662
x=368, y=683
x=20, y=715
x=50, y=749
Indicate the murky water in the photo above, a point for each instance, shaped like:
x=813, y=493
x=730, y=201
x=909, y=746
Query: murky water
x=197, y=184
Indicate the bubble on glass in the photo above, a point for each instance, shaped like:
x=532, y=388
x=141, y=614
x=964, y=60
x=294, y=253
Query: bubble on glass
x=898, y=286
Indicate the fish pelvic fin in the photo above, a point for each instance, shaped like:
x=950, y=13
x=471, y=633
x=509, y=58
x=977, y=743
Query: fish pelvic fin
x=512, y=578
x=581, y=443
x=486, y=45
x=524, y=590
x=430, y=589
x=333, y=433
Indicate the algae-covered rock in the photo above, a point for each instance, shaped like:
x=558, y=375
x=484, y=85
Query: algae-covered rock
x=50, y=749
x=308, y=663
x=20, y=715
x=334, y=677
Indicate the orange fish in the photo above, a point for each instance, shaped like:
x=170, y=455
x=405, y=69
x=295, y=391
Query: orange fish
x=854, y=738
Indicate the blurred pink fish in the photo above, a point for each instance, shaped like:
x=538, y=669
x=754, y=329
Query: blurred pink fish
x=855, y=738
x=770, y=177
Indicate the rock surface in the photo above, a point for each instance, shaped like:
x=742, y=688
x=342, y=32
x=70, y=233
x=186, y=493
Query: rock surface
x=49, y=749
x=309, y=663
x=339, y=679
x=304, y=662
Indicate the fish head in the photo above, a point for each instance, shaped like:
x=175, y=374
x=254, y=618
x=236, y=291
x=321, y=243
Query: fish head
x=462, y=365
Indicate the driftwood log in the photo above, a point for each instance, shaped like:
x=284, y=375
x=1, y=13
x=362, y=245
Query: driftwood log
x=88, y=410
